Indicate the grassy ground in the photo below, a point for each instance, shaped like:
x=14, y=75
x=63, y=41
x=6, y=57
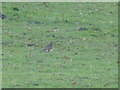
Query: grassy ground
x=85, y=45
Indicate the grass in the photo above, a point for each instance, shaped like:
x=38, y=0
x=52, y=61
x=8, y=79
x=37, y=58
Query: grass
x=85, y=58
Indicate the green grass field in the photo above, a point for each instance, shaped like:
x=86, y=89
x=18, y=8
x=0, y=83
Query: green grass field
x=85, y=37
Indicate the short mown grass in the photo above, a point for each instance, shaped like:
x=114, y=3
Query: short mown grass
x=85, y=37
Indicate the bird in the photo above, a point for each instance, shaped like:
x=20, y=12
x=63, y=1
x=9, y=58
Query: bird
x=48, y=48
x=2, y=16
